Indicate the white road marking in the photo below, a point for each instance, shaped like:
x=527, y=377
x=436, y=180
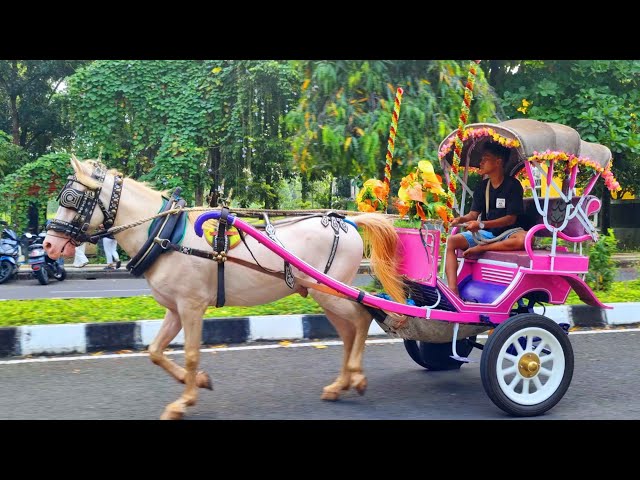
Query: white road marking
x=329, y=343
x=102, y=291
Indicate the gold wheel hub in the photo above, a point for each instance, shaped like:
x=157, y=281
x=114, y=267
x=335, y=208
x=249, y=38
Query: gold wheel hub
x=529, y=365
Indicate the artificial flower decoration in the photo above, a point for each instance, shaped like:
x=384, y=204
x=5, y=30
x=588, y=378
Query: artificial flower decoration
x=373, y=195
x=422, y=197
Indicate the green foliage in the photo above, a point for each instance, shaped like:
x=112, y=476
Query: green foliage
x=599, y=98
x=158, y=120
x=602, y=269
x=80, y=310
x=36, y=182
x=341, y=123
x=12, y=156
x=30, y=108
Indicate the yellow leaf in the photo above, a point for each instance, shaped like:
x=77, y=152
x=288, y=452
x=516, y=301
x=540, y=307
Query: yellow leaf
x=320, y=346
x=347, y=142
x=222, y=345
x=359, y=131
x=284, y=343
x=124, y=351
x=97, y=353
x=216, y=70
x=425, y=81
x=425, y=166
x=305, y=84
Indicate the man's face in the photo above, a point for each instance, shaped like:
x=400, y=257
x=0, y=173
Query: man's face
x=489, y=163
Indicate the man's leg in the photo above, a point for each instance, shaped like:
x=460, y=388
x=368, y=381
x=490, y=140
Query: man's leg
x=515, y=241
x=451, y=261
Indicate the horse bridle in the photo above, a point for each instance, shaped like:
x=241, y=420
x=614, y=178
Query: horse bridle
x=84, y=203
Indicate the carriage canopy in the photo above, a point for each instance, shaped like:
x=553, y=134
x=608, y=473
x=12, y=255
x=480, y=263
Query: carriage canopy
x=526, y=138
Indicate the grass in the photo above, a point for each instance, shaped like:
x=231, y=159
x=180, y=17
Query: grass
x=14, y=313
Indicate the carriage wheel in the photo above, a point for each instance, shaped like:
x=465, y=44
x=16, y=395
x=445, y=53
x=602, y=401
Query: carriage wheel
x=436, y=356
x=527, y=365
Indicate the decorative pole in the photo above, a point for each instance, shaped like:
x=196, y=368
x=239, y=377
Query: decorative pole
x=462, y=122
x=392, y=139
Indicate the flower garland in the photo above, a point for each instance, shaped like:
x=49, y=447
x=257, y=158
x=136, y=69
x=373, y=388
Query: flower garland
x=479, y=133
x=609, y=180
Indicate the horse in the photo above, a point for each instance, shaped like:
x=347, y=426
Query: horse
x=186, y=285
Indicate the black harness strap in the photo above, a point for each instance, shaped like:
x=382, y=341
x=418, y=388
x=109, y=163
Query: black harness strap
x=151, y=250
x=337, y=223
x=220, y=251
x=270, y=230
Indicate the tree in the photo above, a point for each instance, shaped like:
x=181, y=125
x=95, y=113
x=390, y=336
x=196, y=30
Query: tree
x=30, y=109
x=341, y=124
x=599, y=98
x=187, y=123
x=33, y=184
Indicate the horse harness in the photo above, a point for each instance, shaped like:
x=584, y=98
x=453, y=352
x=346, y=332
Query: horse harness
x=221, y=247
x=84, y=203
x=165, y=234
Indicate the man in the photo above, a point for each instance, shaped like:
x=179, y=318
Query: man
x=505, y=205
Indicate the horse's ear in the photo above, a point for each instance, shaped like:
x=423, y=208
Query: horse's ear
x=75, y=163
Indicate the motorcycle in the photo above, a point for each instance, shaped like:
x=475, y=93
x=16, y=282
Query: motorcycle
x=9, y=253
x=42, y=266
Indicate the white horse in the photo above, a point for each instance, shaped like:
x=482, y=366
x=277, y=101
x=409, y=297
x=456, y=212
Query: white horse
x=186, y=285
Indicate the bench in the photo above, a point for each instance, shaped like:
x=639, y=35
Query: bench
x=564, y=260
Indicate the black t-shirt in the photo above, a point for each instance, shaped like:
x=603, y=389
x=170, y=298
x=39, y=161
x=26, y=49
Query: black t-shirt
x=504, y=200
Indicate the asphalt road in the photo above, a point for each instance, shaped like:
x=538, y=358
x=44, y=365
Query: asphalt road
x=70, y=288
x=91, y=288
x=286, y=383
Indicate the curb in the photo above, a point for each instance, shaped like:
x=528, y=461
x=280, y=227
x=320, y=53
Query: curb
x=111, y=336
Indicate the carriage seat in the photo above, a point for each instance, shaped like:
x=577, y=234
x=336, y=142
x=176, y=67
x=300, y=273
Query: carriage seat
x=564, y=260
x=557, y=208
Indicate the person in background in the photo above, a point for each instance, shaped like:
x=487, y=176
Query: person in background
x=80, y=260
x=110, y=245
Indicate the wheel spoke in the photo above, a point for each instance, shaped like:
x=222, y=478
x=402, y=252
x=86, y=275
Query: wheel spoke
x=525, y=386
x=546, y=358
x=529, y=346
x=509, y=371
x=511, y=358
x=537, y=383
x=541, y=345
x=519, y=349
x=514, y=382
x=545, y=371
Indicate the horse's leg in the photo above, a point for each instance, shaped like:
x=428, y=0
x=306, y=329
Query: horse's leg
x=361, y=321
x=170, y=328
x=192, y=323
x=347, y=334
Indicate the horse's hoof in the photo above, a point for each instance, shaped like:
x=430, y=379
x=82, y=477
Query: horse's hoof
x=360, y=385
x=171, y=415
x=203, y=380
x=330, y=395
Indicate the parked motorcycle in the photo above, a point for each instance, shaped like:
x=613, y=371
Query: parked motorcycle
x=42, y=266
x=9, y=253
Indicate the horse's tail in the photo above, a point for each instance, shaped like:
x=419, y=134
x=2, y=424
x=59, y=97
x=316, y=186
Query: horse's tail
x=380, y=235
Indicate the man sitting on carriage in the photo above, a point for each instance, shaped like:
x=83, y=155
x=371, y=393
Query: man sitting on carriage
x=494, y=222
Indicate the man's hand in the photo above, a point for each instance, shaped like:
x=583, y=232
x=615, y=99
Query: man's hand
x=455, y=222
x=473, y=226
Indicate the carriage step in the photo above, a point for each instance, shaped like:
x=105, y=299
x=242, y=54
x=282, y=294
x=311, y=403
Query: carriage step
x=463, y=359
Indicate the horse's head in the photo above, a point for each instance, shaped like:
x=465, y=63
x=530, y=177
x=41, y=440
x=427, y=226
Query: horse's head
x=77, y=217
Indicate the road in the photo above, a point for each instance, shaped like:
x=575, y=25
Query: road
x=85, y=288
x=81, y=288
x=256, y=383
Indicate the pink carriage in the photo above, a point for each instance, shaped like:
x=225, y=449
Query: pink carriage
x=527, y=362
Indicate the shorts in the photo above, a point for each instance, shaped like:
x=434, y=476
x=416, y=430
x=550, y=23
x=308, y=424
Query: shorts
x=484, y=234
